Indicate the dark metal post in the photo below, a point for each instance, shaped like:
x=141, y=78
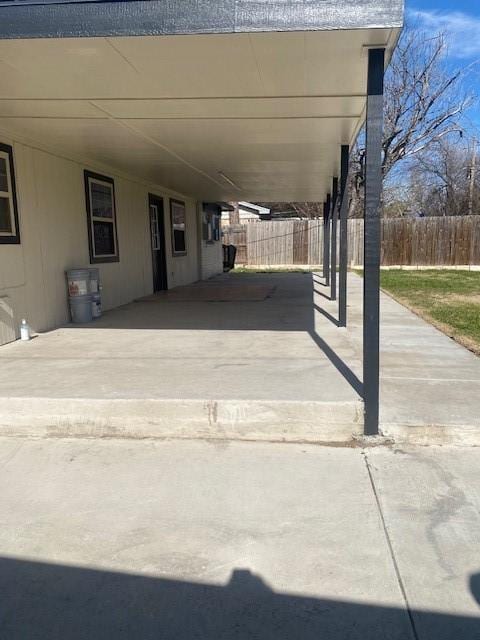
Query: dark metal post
x=371, y=282
x=326, y=241
x=324, y=235
x=342, y=278
x=325, y=219
x=333, y=266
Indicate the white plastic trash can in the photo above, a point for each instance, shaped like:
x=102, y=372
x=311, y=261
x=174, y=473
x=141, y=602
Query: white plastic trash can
x=96, y=305
x=94, y=281
x=81, y=308
x=78, y=282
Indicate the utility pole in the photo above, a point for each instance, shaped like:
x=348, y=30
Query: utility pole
x=473, y=169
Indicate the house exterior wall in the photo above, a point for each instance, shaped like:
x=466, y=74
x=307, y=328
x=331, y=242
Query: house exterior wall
x=212, y=259
x=211, y=253
x=54, y=238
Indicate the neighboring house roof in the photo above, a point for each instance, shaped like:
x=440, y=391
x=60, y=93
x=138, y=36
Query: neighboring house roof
x=253, y=208
x=225, y=206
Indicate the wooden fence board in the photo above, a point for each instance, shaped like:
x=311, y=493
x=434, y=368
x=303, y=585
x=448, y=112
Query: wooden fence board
x=442, y=241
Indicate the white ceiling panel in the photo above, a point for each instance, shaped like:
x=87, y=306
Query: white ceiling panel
x=212, y=108
x=268, y=110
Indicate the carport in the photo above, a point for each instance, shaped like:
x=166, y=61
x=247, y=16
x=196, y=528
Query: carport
x=256, y=101
x=247, y=356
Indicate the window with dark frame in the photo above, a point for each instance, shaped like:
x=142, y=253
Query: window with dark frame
x=101, y=217
x=178, y=227
x=9, y=227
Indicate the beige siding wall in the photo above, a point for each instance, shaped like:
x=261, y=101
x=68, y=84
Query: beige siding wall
x=54, y=238
x=211, y=253
x=182, y=269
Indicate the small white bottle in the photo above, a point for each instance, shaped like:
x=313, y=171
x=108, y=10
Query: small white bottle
x=24, y=330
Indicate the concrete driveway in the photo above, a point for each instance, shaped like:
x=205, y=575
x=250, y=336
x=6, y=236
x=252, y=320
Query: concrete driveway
x=187, y=539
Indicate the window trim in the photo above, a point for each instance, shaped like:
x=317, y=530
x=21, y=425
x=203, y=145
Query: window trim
x=90, y=177
x=175, y=253
x=14, y=237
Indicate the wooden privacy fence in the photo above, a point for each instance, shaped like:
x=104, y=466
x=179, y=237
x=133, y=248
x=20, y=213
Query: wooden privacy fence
x=407, y=242
x=282, y=242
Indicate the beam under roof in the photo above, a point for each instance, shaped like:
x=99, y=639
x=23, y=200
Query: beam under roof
x=92, y=18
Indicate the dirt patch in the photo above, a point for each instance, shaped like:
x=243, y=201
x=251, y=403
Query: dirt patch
x=453, y=298
x=456, y=297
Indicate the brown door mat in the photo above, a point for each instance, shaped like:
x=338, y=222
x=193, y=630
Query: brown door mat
x=213, y=293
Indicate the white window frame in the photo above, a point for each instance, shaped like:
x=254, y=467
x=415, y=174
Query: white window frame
x=105, y=181
x=13, y=236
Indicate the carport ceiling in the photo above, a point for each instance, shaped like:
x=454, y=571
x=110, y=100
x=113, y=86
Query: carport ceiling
x=253, y=116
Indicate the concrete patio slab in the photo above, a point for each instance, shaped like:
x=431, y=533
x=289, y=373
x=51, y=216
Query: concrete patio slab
x=275, y=368
x=187, y=539
x=429, y=384
x=237, y=368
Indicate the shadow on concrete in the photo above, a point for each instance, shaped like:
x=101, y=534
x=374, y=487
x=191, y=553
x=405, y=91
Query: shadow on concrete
x=318, y=279
x=42, y=601
x=339, y=364
x=327, y=315
x=475, y=589
x=320, y=293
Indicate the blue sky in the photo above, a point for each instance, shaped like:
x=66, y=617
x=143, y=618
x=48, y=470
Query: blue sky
x=460, y=19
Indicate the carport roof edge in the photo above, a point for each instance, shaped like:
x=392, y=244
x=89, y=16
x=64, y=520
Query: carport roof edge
x=92, y=18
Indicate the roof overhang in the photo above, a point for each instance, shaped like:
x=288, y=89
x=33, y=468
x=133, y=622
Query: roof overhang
x=258, y=115
x=95, y=18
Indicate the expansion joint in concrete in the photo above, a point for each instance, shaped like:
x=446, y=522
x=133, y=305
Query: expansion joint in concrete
x=391, y=551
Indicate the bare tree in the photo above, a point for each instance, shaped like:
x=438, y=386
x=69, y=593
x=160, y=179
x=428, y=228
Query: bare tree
x=450, y=186
x=424, y=103
x=308, y=209
x=234, y=215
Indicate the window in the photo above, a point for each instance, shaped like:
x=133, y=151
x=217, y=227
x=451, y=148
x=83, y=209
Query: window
x=9, y=229
x=102, y=218
x=211, y=227
x=178, y=217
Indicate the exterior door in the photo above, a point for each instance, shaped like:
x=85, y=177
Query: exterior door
x=157, y=235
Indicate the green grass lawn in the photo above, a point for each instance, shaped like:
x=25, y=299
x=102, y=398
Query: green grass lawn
x=449, y=299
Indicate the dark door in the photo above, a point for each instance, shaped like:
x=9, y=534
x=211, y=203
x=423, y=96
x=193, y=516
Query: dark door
x=157, y=235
